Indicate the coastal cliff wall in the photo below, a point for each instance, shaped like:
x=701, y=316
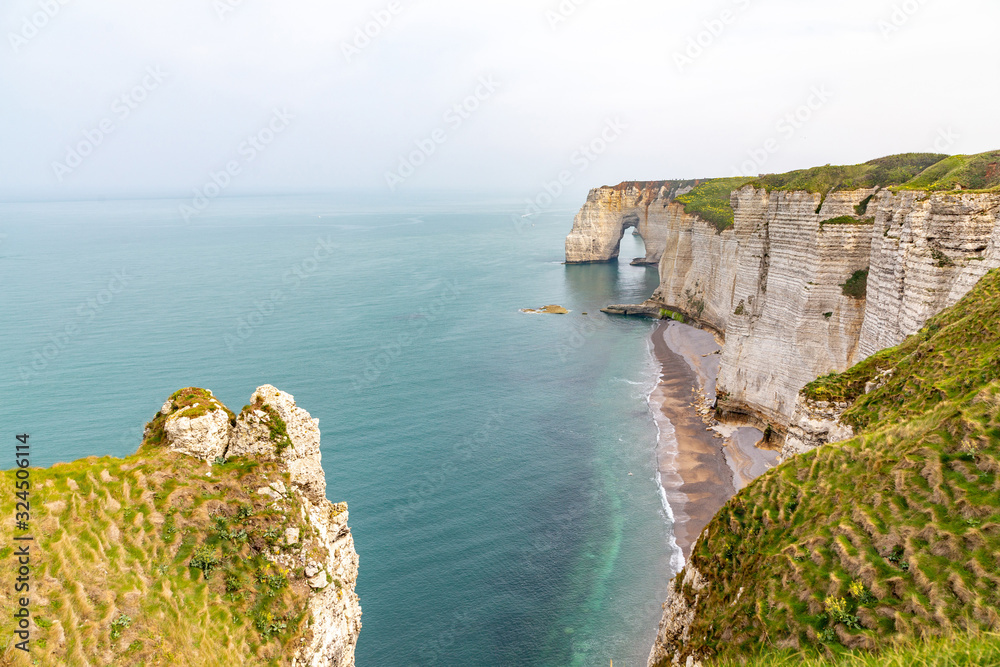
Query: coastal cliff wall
x=785, y=283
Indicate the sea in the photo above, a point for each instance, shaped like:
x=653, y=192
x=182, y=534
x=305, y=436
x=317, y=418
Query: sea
x=499, y=466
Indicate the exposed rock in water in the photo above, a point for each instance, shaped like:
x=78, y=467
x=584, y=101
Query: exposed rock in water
x=546, y=310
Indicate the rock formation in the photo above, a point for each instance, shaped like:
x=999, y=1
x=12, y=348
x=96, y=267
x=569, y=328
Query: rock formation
x=646, y=206
x=773, y=284
x=273, y=428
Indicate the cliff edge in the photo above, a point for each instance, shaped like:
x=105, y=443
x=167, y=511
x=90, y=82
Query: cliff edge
x=214, y=544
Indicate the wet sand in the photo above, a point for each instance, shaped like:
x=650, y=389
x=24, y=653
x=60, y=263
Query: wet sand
x=700, y=468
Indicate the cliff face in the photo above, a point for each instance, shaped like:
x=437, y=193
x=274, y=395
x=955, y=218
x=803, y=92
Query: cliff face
x=927, y=253
x=273, y=429
x=774, y=282
x=646, y=206
x=329, y=561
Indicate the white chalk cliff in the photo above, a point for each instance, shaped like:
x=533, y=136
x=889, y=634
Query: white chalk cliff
x=772, y=284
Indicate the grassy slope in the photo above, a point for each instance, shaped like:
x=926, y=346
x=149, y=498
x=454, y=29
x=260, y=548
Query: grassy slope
x=908, y=511
x=118, y=536
x=965, y=651
x=911, y=171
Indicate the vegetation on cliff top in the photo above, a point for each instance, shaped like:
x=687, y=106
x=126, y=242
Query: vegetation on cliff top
x=928, y=172
x=149, y=560
x=881, y=173
x=889, y=537
x=965, y=172
x=711, y=201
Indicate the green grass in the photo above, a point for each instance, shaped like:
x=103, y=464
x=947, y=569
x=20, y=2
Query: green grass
x=666, y=314
x=902, y=522
x=967, y=172
x=846, y=220
x=880, y=173
x=135, y=558
x=856, y=286
x=929, y=172
x=958, y=651
x=711, y=201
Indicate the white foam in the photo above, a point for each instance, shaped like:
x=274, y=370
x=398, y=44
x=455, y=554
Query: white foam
x=665, y=433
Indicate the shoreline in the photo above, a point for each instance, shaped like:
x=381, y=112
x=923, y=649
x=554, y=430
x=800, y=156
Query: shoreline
x=699, y=467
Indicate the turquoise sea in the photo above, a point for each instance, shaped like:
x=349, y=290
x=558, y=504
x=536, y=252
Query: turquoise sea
x=485, y=453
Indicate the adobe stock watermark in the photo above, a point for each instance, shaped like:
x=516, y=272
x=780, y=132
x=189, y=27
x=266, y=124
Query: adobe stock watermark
x=454, y=118
x=945, y=140
x=380, y=360
x=223, y=8
x=430, y=484
x=292, y=280
x=86, y=312
x=787, y=127
x=246, y=153
x=712, y=30
x=432, y=649
x=580, y=161
x=563, y=12
x=122, y=107
x=902, y=14
x=583, y=329
x=365, y=34
x=32, y=26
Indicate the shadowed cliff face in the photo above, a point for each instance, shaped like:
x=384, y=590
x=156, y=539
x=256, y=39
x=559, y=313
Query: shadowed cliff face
x=774, y=282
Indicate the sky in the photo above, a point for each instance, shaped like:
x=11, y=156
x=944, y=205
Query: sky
x=118, y=98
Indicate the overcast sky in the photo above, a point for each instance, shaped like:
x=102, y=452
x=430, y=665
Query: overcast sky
x=656, y=88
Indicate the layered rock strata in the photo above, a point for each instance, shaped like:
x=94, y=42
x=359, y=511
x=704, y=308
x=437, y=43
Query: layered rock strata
x=773, y=284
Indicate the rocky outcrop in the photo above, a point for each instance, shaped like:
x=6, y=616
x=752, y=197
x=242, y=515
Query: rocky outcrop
x=678, y=616
x=774, y=283
x=646, y=206
x=201, y=430
x=273, y=428
x=814, y=424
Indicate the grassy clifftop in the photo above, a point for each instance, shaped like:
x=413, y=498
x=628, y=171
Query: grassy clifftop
x=927, y=172
x=158, y=559
x=891, y=536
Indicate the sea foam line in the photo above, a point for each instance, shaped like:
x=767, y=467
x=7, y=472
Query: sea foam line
x=677, y=561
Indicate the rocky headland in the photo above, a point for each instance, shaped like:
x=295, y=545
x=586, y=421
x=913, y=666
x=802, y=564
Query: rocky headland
x=214, y=544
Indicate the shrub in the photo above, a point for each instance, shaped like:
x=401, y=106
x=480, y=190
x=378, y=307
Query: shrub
x=856, y=286
x=204, y=559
